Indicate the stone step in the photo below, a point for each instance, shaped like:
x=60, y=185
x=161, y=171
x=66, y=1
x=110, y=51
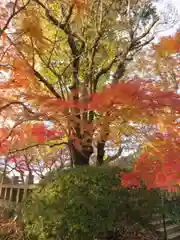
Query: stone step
x=157, y=217
x=171, y=228
x=174, y=236
x=159, y=223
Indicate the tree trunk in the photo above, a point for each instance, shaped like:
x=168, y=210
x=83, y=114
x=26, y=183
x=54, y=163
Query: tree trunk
x=100, y=152
x=105, y=126
x=80, y=157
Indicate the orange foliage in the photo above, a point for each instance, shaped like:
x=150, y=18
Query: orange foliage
x=168, y=45
x=137, y=94
x=133, y=101
x=159, y=168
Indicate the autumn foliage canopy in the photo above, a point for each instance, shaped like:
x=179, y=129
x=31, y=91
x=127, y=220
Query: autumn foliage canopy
x=33, y=114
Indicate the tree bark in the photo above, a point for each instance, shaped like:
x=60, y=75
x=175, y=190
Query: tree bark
x=101, y=145
x=100, y=152
x=80, y=157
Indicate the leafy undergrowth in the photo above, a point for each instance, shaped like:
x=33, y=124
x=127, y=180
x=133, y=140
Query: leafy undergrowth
x=133, y=232
x=9, y=230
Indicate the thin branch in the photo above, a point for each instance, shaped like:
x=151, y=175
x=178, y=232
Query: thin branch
x=14, y=13
x=141, y=45
x=94, y=50
x=17, y=103
x=38, y=145
x=53, y=48
x=69, y=14
x=46, y=83
x=11, y=131
x=137, y=22
x=114, y=157
x=76, y=53
x=146, y=32
x=62, y=26
x=103, y=71
x=135, y=45
x=37, y=74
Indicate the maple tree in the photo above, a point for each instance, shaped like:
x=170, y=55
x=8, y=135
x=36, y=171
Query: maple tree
x=65, y=66
x=161, y=167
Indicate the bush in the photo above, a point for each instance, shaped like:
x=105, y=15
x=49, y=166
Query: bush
x=81, y=203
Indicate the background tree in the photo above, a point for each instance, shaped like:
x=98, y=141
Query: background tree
x=159, y=62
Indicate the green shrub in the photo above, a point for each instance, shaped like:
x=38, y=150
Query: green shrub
x=81, y=203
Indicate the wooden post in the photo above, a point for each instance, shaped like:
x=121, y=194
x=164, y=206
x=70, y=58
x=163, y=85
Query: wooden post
x=3, y=175
x=5, y=193
x=10, y=195
x=30, y=179
x=0, y=187
x=26, y=187
x=17, y=195
x=15, y=180
x=163, y=215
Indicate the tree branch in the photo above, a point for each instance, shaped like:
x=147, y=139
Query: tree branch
x=114, y=157
x=54, y=21
x=94, y=49
x=14, y=13
x=119, y=71
x=146, y=32
x=37, y=74
x=141, y=45
x=16, y=103
x=103, y=71
x=71, y=41
x=38, y=145
x=46, y=83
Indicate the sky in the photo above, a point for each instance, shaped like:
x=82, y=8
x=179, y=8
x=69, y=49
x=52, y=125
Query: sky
x=163, y=6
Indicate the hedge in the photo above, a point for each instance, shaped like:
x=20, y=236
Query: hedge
x=84, y=203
